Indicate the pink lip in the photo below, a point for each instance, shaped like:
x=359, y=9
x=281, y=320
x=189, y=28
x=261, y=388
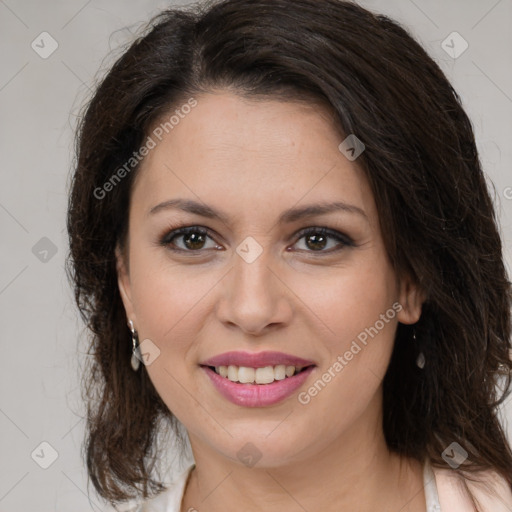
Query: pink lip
x=256, y=359
x=257, y=395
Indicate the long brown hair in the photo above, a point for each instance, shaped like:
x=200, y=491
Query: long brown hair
x=421, y=161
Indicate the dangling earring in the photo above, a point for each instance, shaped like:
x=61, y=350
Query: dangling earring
x=420, y=360
x=135, y=360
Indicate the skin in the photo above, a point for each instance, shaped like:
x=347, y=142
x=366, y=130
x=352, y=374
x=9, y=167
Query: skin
x=252, y=160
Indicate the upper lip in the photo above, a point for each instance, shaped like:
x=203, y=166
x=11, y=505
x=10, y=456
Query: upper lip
x=256, y=359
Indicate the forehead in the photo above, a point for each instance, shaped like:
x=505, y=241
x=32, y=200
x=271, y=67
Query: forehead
x=248, y=153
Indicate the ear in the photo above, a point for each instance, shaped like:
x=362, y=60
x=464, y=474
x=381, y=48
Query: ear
x=411, y=297
x=123, y=282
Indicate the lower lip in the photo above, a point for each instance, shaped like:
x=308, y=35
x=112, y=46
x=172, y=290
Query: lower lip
x=257, y=395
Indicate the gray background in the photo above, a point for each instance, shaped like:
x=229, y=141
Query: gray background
x=39, y=104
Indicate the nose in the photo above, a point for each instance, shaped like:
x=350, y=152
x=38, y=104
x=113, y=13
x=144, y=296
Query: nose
x=254, y=296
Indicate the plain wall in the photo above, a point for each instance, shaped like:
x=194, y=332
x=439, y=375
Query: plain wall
x=39, y=101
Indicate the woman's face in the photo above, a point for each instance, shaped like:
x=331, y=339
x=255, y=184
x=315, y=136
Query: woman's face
x=253, y=283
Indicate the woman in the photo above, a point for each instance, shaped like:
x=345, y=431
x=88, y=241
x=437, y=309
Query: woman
x=278, y=207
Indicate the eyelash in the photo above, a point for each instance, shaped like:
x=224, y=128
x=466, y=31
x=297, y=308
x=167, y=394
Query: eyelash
x=344, y=240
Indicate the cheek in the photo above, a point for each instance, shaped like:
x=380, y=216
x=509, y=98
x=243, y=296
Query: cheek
x=347, y=301
x=168, y=297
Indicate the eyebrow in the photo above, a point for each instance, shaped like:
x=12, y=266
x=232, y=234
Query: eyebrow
x=288, y=216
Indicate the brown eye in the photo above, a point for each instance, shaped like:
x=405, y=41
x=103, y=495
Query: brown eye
x=192, y=238
x=317, y=239
x=316, y=242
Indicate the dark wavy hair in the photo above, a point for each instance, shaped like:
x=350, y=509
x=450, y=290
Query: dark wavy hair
x=436, y=215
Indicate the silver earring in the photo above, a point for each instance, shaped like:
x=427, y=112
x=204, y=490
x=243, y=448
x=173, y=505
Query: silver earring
x=135, y=360
x=420, y=360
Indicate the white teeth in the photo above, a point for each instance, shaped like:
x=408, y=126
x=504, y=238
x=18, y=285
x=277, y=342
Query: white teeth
x=233, y=373
x=264, y=375
x=245, y=374
x=279, y=372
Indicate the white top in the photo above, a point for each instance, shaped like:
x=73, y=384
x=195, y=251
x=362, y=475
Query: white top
x=170, y=500
x=430, y=486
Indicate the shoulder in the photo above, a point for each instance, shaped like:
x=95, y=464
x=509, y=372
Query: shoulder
x=491, y=492
x=168, y=500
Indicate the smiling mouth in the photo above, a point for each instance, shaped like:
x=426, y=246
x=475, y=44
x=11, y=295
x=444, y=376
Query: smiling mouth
x=264, y=375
